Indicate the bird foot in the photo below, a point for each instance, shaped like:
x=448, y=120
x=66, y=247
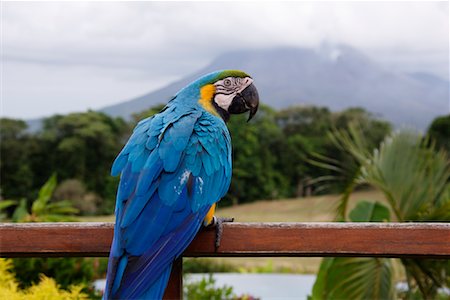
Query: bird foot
x=218, y=224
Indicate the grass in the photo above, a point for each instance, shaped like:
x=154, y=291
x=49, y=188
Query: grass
x=309, y=209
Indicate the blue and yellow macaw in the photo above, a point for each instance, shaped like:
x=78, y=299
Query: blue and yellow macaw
x=174, y=168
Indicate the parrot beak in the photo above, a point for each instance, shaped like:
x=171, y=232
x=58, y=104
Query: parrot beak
x=247, y=100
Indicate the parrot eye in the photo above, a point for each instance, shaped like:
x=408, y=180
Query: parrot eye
x=227, y=82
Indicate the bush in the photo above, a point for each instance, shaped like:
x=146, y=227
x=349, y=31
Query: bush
x=65, y=271
x=202, y=265
x=205, y=289
x=86, y=202
x=72, y=189
x=46, y=288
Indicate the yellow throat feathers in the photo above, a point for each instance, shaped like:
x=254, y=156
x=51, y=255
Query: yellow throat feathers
x=206, y=98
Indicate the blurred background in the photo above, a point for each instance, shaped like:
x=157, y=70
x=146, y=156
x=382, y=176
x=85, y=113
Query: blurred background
x=355, y=126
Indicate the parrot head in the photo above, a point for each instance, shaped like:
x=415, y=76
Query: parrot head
x=227, y=92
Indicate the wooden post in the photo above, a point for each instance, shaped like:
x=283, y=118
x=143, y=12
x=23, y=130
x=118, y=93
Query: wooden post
x=174, y=290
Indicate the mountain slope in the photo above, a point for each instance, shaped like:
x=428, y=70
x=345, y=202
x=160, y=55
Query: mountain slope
x=337, y=77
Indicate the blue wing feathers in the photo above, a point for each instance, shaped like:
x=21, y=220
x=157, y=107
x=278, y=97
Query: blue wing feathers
x=133, y=208
x=156, y=216
x=119, y=164
x=156, y=291
x=127, y=183
x=137, y=237
x=119, y=273
x=144, y=270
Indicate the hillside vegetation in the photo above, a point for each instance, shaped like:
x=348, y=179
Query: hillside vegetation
x=271, y=155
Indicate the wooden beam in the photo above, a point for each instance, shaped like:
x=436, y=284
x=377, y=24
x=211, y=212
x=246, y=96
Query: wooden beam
x=242, y=239
x=55, y=239
x=328, y=240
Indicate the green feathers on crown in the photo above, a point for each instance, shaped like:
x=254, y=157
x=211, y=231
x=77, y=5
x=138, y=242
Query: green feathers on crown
x=213, y=77
x=231, y=73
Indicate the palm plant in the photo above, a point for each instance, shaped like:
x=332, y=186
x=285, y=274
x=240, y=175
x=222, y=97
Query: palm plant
x=42, y=209
x=414, y=178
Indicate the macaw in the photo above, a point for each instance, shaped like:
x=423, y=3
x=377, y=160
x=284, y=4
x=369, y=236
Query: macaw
x=174, y=169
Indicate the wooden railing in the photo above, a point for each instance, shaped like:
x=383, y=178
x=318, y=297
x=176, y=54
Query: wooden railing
x=420, y=240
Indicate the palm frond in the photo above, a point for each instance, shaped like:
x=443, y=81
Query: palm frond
x=45, y=194
x=354, y=278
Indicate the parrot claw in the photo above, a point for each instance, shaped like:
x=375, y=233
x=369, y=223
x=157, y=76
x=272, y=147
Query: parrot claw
x=218, y=224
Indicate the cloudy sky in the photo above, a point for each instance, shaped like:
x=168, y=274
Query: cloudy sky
x=60, y=57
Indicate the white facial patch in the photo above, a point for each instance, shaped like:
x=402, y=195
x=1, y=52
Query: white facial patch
x=228, y=88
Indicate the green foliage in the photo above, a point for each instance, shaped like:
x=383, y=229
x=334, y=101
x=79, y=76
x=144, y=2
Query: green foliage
x=4, y=205
x=45, y=289
x=65, y=271
x=83, y=147
x=255, y=174
x=439, y=132
x=86, y=202
x=15, y=171
x=270, y=154
x=42, y=209
x=414, y=177
x=373, y=130
x=416, y=295
x=202, y=265
x=205, y=265
x=304, y=131
x=78, y=146
x=205, y=289
x=415, y=180
x=307, y=136
x=426, y=276
x=354, y=278
x=366, y=211
x=21, y=212
x=268, y=267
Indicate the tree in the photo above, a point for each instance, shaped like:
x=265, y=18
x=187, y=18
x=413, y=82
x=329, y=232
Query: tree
x=83, y=146
x=271, y=154
x=309, y=121
x=304, y=133
x=254, y=164
x=15, y=170
x=373, y=129
x=439, y=132
x=306, y=136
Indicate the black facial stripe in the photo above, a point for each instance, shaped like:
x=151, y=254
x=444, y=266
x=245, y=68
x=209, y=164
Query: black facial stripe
x=229, y=93
x=230, y=89
x=226, y=88
x=222, y=112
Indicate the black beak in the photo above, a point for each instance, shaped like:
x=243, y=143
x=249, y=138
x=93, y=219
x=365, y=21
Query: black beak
x=247, y=100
